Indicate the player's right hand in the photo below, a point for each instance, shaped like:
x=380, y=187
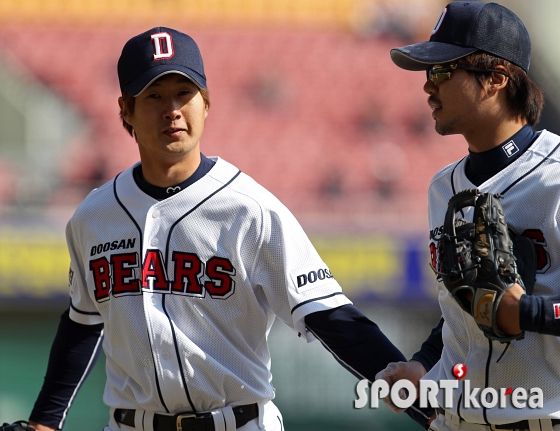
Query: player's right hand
x=411, y=370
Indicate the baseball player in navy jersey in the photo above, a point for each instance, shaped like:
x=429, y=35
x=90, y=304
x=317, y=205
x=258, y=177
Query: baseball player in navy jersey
x=179, y=266
x=476, y=62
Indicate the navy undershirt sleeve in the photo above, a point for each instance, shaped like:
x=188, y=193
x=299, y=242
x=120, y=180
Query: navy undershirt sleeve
x=74, y=352
x=358, y=345
x=431, y=349
x=354, y=340
x=540, y=314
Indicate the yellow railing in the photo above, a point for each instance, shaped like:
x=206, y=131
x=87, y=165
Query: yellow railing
x=34, y=263
x=315, y=13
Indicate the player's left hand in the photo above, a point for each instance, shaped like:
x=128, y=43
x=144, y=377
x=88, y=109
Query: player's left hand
x=477, y=261
x=507, y=317
x=411, y=370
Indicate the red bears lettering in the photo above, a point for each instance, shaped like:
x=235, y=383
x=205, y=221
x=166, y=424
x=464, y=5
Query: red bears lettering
x=153, y=270
x=220, y=271
x=125, y=280
x=188, y=269
x=120, y=275
x=101, y=278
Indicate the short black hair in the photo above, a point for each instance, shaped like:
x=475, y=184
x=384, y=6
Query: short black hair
x=525, y=98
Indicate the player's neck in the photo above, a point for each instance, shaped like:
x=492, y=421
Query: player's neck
x=169, y=173
x=489, y=135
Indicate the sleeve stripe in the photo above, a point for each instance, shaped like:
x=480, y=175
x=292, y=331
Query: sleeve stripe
x=88, y=313
x=89, y=367
x=315, y=299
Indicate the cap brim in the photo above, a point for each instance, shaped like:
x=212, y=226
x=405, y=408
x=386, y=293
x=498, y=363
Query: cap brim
x=421, y=55
x=140, y=83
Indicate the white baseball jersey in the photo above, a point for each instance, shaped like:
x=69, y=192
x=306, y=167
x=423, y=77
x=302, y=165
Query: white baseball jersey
x=531, y=189
x=188, y=288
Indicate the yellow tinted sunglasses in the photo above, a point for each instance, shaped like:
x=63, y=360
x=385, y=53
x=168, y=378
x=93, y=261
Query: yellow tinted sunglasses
x=440, y=73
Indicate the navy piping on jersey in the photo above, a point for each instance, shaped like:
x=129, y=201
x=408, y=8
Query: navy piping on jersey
x=531, y=171
x=453, y=175
x=181, y=370
x=517, y=180
x=192, y=209
x=87, y=313
x=167, y=260
x=453, y=182
x=158, y=387
x=203, y=168
x=487, y=378
x=315, y=299
x=459, y=402
x=141, y=248
x=127, y=212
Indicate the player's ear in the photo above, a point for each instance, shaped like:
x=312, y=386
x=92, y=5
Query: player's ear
x=206, y=97
x=124, y=111
x=498, y=81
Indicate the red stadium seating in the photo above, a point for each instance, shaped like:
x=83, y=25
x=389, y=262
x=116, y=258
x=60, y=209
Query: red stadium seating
x=320, y=117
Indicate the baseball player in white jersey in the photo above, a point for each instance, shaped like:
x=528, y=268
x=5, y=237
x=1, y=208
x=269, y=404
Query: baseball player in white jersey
x=179, y=266
x=477, y=60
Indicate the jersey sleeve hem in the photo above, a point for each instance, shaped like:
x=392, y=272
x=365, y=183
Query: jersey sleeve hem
x=84, y=317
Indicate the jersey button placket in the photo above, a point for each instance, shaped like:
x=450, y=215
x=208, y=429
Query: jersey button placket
x=159, y=327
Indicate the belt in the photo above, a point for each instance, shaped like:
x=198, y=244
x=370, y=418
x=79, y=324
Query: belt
x=520, y=425
x=189, y=421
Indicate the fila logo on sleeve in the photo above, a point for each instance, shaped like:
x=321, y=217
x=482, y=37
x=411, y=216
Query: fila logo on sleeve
x=163, y=46
x=556, y=311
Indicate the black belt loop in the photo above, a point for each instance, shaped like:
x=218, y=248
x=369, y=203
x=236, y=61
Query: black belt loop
x=189, y=421
x=521, y=425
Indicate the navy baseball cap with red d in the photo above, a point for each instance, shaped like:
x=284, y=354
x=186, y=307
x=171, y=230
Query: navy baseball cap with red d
x=155, y=53
x=465, y=27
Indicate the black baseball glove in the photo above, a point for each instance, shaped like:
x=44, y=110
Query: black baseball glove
x=17, y=426
x=476, y=259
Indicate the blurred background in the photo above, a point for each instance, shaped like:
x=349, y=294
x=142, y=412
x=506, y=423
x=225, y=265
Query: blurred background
x=305, y=99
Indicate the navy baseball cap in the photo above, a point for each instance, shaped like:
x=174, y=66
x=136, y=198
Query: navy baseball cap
x=157, y=52
x=467, y=27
